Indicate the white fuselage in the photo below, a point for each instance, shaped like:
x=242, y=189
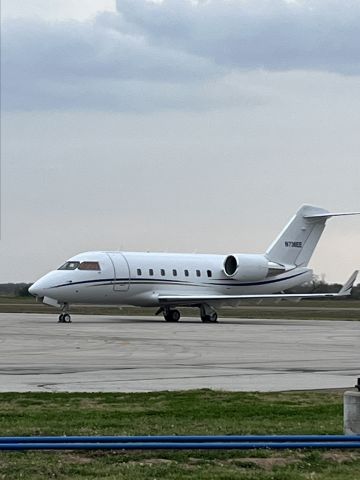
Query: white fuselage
x=138, y=279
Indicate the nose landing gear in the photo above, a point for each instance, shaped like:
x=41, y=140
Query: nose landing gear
x=64, y=317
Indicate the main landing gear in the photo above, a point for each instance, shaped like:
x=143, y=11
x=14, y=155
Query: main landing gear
x=64, y=317
x=208, y=314
x=172, y=315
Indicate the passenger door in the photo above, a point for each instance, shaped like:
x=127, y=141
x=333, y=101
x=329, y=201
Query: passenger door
x=121, y=271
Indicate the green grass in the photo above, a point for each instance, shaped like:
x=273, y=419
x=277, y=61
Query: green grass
x=191, y=412
x=306, y=310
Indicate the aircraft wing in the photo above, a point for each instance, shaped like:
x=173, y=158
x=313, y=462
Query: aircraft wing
x=234, y=299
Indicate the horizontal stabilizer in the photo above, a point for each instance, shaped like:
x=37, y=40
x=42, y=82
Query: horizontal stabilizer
x=329, y=214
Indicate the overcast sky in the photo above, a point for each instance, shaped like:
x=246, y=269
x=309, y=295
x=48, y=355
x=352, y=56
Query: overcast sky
x=177, y=126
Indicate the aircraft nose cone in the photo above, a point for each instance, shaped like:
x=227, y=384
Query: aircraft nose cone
x=35, y=290
x=32, y=289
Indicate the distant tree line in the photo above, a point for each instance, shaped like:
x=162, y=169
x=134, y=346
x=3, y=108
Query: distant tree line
x=15, y=289
x=319, y=286
x=316, y=286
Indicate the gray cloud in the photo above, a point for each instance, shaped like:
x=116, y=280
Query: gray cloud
x=275, y=35
x=174, y=54
x=82, y=64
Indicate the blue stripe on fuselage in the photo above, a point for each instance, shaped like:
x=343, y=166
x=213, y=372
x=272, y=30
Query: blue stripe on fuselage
x=147, y=281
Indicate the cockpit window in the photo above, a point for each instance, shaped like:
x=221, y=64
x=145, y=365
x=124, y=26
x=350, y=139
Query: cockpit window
x=89, y=266
x=69, y=266
x=80, y=266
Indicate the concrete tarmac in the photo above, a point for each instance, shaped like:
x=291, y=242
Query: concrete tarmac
x=128, y=354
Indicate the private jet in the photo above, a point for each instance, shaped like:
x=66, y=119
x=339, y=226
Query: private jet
x=168, y=281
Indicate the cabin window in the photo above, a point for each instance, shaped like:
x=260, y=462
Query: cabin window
x=209, y=273
x=139, y=271
x=175, y=273
x=69, y=266
x=89, y=266
x=198, y=273
x=151, y=272
x=186, y=273
x=162, y=272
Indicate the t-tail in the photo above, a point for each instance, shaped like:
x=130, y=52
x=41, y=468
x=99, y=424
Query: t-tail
x=296, y=243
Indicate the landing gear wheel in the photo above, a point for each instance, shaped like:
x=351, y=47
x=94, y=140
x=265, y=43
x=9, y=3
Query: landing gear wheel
x=64, y=318
x=172, y=316
x=208, y=313
x=209, y=317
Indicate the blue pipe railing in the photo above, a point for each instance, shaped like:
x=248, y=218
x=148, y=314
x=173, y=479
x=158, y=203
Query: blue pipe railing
x=186, y=442
x=178, y=438
x=179, y=446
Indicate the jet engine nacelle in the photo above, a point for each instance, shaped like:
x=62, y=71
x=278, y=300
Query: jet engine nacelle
x=245, y=267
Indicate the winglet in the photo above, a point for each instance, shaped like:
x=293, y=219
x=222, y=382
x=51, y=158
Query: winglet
x=347, y=287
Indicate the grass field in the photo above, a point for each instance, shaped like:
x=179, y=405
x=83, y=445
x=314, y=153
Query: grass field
x=191, y=412
x=307, y=309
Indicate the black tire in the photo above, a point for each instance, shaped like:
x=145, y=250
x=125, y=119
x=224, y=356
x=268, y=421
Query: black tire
x=61, y=318
x=212, y=318
x=172, y=316
x=66, y=318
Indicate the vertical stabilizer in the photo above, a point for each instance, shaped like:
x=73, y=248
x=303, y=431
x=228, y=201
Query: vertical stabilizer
x=296, y=243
